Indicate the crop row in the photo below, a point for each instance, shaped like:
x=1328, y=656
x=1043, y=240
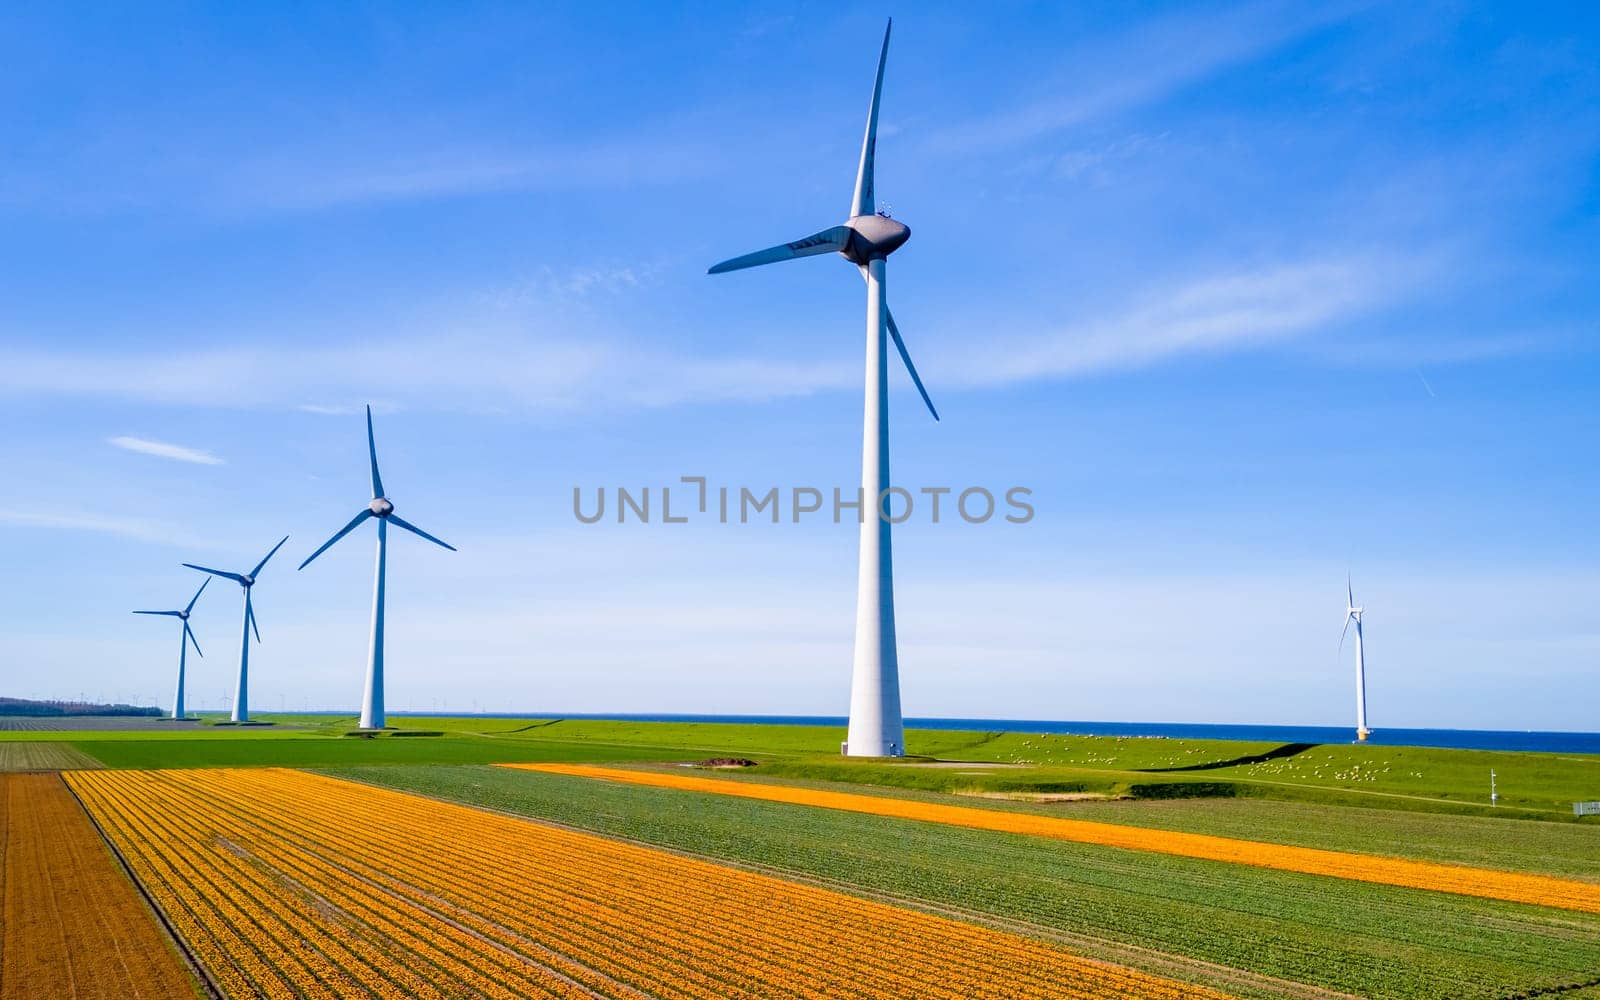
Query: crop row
x=311, y=886
x=1542, y=890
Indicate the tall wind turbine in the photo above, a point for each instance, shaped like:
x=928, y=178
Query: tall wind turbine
x=1352, y=613
x=866, y=239
x=183, y=644
x=241, y=692
x=381, y=508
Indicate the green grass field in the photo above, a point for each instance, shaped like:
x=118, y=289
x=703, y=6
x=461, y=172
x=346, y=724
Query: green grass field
x=1368, y=940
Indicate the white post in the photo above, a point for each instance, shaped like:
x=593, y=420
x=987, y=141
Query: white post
x=1361, y=687
x=241, y=691
x=183, y=651
x=876, y=729
x=372, y=703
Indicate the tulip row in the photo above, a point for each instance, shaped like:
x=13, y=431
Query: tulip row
x=539, y=910
x=264, y=928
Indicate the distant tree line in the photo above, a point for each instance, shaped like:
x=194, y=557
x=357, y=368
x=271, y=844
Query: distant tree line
x=27, y=707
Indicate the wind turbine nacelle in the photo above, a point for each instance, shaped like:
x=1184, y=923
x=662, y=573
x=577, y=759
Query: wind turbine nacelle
x=873, y=237
x=381, y=507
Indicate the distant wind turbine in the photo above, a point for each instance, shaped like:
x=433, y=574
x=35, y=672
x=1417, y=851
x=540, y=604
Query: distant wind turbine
x=866, y=239
x=183, y=644
x=241, y=697
x=372, y=716
x=1353, y=613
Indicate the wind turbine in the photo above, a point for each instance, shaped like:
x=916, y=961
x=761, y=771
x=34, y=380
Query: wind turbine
x=1353, y=614
x=241, y=697
x=866, y=239
x=183, y=644
x=381, y=508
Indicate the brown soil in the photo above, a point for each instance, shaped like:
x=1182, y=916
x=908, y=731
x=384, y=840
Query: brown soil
x=74, y=926
x=725, y=762
x=1042, y=796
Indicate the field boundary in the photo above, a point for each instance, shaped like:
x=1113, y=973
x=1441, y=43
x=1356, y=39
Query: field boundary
x=650, y=919
x=202, y=975
x=1464, y=880
x=1108, y=951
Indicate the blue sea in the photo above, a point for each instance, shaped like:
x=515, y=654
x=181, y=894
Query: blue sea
x=1468, y=739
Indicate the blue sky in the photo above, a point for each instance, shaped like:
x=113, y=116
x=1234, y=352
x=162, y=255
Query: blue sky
x=1247, y=294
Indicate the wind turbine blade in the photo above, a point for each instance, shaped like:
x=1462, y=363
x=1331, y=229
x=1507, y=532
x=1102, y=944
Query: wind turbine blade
x=894, y=331
x=250, y=613
x=235, y=577
x=864, y=201
x=1343, y=631
x=257, y=571
x=354, y=521
x=827, y=241
x=372, y=452
x=196, y=596
x=196, y=642
x=397, y=522
x=175, y=614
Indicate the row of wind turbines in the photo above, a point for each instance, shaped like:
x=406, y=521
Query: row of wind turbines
x=876, y=727
x=381, y=508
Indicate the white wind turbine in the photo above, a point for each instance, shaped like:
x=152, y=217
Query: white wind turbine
x=241, y=693
x=866, y=239
x=1353, y=613
x=372, y=716
x=183, y=644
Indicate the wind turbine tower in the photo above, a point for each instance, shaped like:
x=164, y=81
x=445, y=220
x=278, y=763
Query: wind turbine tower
x=1353, y=614
x=246, y=581
x=866, y=239
x=184, y=640
x=380, y=507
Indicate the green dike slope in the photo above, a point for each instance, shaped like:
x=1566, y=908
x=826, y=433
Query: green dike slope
x=1368, y=940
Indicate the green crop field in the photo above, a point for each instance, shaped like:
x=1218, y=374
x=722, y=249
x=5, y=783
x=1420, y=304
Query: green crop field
x=1369, y=940
x=29, y=756
x=334, y=751
x=1510, y=843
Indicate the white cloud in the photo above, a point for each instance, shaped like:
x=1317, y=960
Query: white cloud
x=162, y=449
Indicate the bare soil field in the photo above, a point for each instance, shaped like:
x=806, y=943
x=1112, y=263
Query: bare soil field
x=91, y=723
x=74, y=925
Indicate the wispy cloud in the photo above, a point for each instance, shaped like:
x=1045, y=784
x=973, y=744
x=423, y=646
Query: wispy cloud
x=502, y=368
x=329, y=410
x=138, y=529
x=162, y=449
x=1147, y=63
x=298, y=179
x=489, y=371
x=1219, y=313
